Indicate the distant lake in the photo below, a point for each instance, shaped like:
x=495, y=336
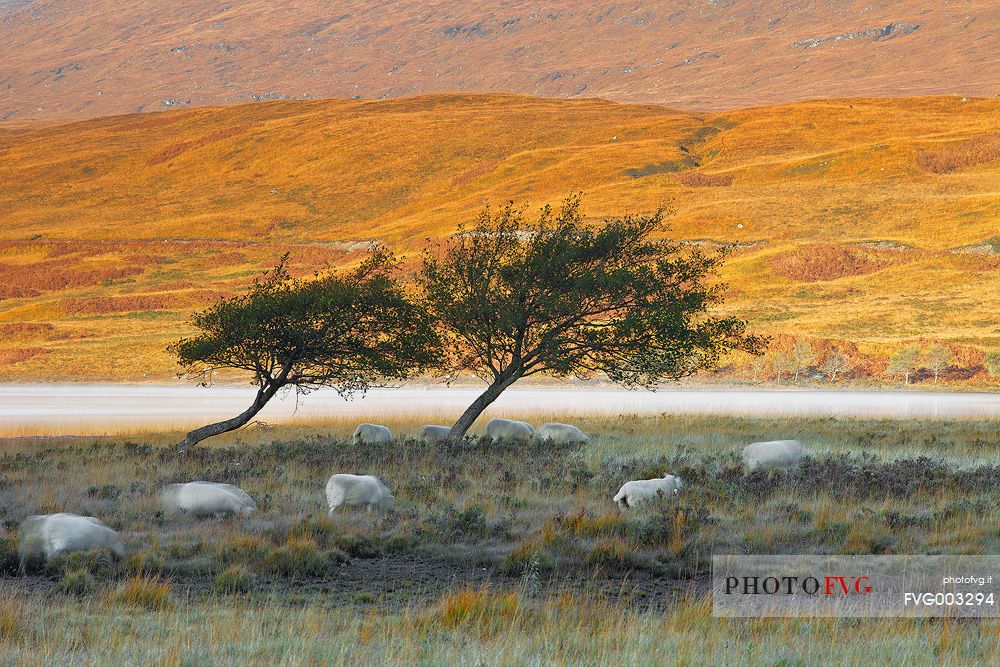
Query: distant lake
x=62, y=409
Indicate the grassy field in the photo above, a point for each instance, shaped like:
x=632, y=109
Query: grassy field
x=495, y=554
x=865, y=223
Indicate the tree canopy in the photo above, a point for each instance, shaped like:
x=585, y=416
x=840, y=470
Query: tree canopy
x=347, y=330
x=562, y=297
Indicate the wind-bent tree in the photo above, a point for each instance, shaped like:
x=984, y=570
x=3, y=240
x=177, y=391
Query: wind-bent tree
x=350, y=331
x=560, y=297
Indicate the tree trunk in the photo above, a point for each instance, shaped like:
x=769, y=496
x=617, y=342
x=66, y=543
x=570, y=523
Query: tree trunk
x=264, y=394
x=472, y=413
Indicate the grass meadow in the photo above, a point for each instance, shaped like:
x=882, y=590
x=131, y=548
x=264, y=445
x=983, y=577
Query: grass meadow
x=865, y=224
x=495, y=553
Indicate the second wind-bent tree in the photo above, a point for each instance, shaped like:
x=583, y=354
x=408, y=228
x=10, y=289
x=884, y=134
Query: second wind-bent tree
x=350, y=331
x=559, y=297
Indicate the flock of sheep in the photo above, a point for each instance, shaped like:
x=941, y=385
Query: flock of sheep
x=45, y=536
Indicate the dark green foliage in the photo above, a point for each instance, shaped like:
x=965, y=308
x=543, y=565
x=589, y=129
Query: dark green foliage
x=349, y=331
x=564, y=298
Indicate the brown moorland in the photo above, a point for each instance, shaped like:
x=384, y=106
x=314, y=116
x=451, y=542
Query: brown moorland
x=862, y=223
x=66, y=59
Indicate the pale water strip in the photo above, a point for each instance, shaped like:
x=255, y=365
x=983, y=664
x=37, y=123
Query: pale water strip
x=57, y=409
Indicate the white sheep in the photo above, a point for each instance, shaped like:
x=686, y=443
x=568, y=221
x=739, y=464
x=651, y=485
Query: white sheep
x=775, y=454
x=47, y=535
x=563, y=434
x=640, y=490
x=202, y=499
x=434, y=434
x=509, y=429
x=358, y=491
x=371, y=434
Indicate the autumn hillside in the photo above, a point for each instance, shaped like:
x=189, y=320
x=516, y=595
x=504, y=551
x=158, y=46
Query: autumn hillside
x=67, y=59
x=864, y=223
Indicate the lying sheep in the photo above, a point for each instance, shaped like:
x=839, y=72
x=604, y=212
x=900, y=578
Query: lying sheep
x=563, y=434
x=640, y=490
x=434, y=434
x=775, y=454
x=46, y=535
x=509, y=429
x=371, y=434
x=203, y=499
x=358, y=491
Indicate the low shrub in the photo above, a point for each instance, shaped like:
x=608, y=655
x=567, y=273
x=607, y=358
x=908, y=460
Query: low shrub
x=99, y=563
x=528, y=556
x=246, y=549
x=302, y=558
x=612, y=554
x=142, y=592
x=144, y=562
x=234, y=580
x=358, y=546
x=973, y=152
x=78, y=583
x=587, y=524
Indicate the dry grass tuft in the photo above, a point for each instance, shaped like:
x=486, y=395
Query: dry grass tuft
x=143, y=592
x=14, y=624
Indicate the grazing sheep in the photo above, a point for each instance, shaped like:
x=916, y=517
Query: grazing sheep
x=203, y=499
x=639, y=490
x=371, y=434
x=46, y=535
x=775, y=454
x=563, y=434
x=358, y=491
x=434, y=434
x=509, y=429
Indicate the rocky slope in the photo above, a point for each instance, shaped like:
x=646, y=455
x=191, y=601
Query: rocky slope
x=75, y=58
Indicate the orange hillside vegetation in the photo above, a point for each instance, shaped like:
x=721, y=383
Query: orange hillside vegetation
x=865, y=221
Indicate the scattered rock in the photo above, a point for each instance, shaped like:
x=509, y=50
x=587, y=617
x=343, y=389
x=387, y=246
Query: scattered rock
x=876, y=34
